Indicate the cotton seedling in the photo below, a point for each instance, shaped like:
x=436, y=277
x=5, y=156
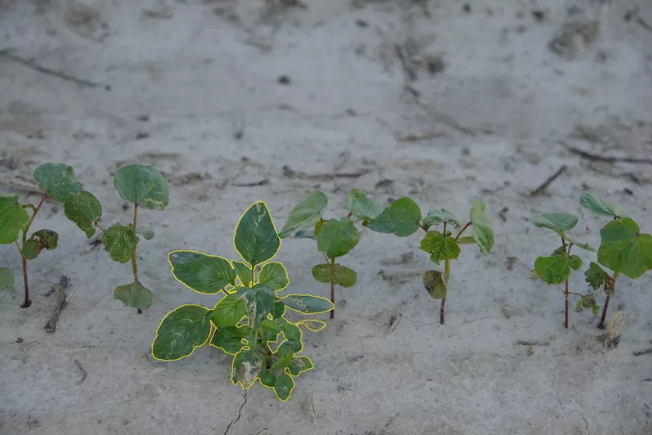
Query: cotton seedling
x=335, y=237
x=556, y=268
x=249, y=322
x=403, y=218
x=623, y=249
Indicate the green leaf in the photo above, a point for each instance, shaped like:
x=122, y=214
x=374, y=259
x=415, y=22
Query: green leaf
x=437, y=217
x=312, y=324
x=558, y=222
x=584, y=246
x=259, y=303
x=600, y=206
x=6, y=279
x=13, y=219
x=58, y=180
x=575, y=262
x=255, y=236
x=147, y=233
x=39, y=240
x=553, y=270
x=275, y=275
x=624, y=249
x=243, y=272
x=401, y=218
x=586, y=301
x=337, y=237
x=228, y=311
x=308, y=304
x=440, y=247
x=120, y=242
x=305, y=234
x=361, y=206
x=181, y=332
x=433, y=281
x=278, y=309
x=270, y=326
x=230, y=339
x=466, y=241
x=143, y=185
x=84, y=210
x=306, y=213
x=292, y=333
x=342, y=275
x=283, y=386
x=134, y=295
x=595, y=276
x=267, y=378
x=482, y=230
x=203, y=273
x=300, y=365
x=246, y=368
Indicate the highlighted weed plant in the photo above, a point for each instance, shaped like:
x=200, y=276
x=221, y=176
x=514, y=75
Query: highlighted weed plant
x=249, y=322
x=335, y=237
x=556, y=268
x=623, y=249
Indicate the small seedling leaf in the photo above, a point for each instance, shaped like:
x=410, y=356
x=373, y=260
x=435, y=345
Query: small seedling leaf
x=600, y=206
x=440, y=247
x=299, y=365
x=181, y=332
x=120, y=242
x=482, y=230
x=313, y=325
x=595, y=276
x=337, y=237
x=584, y=246
x=13, y=219
x=7, y=279
x=243, y=272
x=203, y=273
x=255, y=236
x=58, y=180
x=401, y=218
x=246, y=368
x=143, y=185
x=437, y=217
x=433, y=281
x=624, y=249
x=342, y=275
x=306, y=213
x=134, y=295
x=39, y=240
x=84, y=210
x=586, y=301
x=283, y=386
x=146, y=232
x=361, y=206
x=274, y=275
x=553, y=270
x=228, y=311
x=230, y=339
x=558, y=222
x=307, y=304
x=575, y=262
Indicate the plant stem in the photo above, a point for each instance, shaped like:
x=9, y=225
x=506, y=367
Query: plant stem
x=332, y=316
x=134, y=256
x=468, y=224
x=27, y=302
x=253, y=274
x=566, y=298
x=447, y=275
x=606, y=304
x=422, y=227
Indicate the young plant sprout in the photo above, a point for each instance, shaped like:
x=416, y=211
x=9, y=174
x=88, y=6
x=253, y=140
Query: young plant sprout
x=335, y=237
x=57, y=182
x=556, y=268
x=623, y=248
x=250, y=318
x=403, y=218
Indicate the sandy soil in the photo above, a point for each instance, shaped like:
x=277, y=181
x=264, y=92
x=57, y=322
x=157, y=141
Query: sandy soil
x=479, y=100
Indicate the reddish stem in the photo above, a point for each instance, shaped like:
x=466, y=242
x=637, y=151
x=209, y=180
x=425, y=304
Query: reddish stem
x=468, y=224
x=349, y=215
x=27, y=301
x=441, y=310
x=332, y=315
x=134, y=256
x=604, y=313
x=566, y=296
x=422, y=227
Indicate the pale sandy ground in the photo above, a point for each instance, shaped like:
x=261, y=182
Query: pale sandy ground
x=204, y=70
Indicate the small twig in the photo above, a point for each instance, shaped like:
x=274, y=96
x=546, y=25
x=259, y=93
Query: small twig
x=51, y=326
x=609, y=159
x=84, y=372
x=262, y=182
x=531, y=343
x=643, y=352
x=548, y=182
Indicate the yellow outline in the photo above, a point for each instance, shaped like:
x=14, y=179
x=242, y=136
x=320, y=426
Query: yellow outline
x=280, y=243
x=303, y=322
x=215, y=306
x=236, y=273
x=264, y=265
x=221, y=348
x=202, y=253
x=307, y=314
x=194, y=348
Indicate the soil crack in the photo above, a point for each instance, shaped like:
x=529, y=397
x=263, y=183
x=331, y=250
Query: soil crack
x=239, y=415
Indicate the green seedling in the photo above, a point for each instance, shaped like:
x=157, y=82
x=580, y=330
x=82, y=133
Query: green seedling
x=403, y=218
x=335, y=237
x=556, y=268
x=249, y=322
x=57, y=182
x=623, y=249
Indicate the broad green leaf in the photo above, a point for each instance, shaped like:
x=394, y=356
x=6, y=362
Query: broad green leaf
x=299, y=365
x=278, y=309
x=255, y=236
x=147, y=233
x=267, y=378
x=337, y=237
x=481, y=229
x=306, y=213
x=440, y=247
x=283, y=386
x=292, y=333
x=143, y=185
x=246, y=368
x=228, y=311
x=600, y=206
x=6, y=279
x=342, y=275
x=270, y=326
x=466, y=241
x=84, y=210
x=259, y=303
x=203, y=273
x=39, y=240
x=558, y=222
x=134, y=295
x=308, y=304
x=553, y=270
x=13, y=219
x=624, y=249
x=230, y=339
x=120, y=242
x=181, y=332
x=433, y=281
x=243, y=272
x=584, y=246
x=575, y=262
x=58, y=180
x=305, y=234
x=401, y=218
x=361, y=206
x=437, y=217
x=275, y=275
x=595, y=276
